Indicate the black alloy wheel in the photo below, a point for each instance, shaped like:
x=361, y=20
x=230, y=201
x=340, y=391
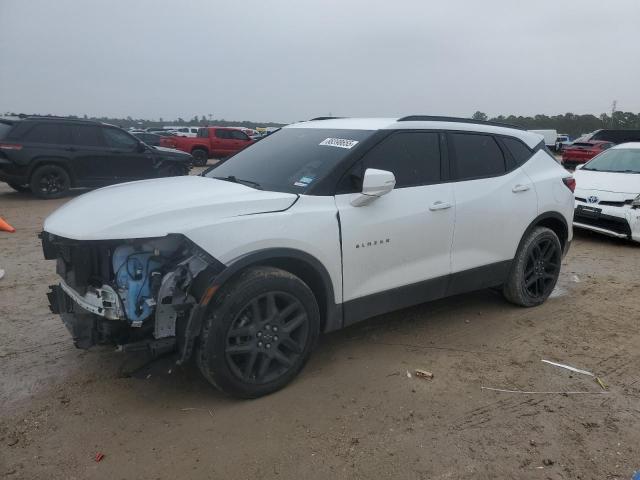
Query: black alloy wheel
x=50, y=181
x=267, y=337
x=542, y=268
x=535, y=268
x=259, y=332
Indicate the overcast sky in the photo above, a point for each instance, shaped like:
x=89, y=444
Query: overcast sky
x=287, y=60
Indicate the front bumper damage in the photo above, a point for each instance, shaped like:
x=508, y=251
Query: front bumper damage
x=146, y=294
x=621, y=221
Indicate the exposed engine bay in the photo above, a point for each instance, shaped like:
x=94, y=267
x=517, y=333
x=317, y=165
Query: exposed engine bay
x=138, y=294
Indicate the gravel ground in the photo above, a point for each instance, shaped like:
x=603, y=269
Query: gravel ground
x=353, y=412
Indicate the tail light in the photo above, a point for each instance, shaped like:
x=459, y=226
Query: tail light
x=570, y=182
x=10, y=146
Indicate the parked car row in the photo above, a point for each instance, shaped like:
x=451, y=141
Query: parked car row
x=49, y=156
x=218, y=142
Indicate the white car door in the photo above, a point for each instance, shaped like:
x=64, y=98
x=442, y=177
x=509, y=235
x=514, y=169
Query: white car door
x=494, y=206
x=402, y=239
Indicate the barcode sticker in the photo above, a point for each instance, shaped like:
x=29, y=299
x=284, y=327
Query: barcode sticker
x=339, y=142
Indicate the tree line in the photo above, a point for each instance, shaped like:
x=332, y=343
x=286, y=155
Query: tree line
x=127, y=122
x=569, y=123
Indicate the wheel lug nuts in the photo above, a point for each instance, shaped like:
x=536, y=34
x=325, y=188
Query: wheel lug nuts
x=268, y=345
x=267, y=327
x=275, y=338
x=259, y=344
x=275, y=329
x=259, y=334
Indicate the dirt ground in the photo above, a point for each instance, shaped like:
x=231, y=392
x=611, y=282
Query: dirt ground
x=353, y=412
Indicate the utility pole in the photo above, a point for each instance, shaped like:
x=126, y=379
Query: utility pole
x=613, y=110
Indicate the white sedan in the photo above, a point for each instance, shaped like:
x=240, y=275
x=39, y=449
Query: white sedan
x=608, y=193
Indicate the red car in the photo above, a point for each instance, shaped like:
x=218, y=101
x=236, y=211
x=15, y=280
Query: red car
x=216, y=142
x=581, y=152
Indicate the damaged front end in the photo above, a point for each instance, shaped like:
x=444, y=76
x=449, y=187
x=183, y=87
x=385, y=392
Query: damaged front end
x=141, y=294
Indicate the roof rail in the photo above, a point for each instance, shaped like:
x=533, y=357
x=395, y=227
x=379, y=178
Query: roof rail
x=435, y=118
x=324, y=118
x=52, y=117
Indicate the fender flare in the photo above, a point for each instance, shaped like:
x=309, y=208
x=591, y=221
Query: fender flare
x=273, y=256
x=551, y=215
x=333, y=318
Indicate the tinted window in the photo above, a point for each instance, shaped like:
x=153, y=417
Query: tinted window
x=4, y=129
x=118, y=139
x=54, y=133
x=292, y=159
x=203, y=132
x=222, y=133
x=476, y=156
x=238, y=135
x=413, y=157
x=87, y=135
x=518, y=150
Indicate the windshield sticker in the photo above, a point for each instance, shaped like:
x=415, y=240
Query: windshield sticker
x=339, y=142
x=303, y=182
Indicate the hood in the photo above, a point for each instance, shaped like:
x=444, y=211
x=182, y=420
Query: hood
x=171, y=152
x=155, y=208
x=623, y=185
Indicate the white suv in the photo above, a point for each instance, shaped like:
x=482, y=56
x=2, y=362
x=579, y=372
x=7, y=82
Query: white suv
x=317, y=226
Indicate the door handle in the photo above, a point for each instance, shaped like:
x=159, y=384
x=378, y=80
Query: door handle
x=520, y=188
x=439, y=206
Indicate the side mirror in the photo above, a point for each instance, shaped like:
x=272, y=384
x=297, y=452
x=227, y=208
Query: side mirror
x=141, y=147
x=375, y=184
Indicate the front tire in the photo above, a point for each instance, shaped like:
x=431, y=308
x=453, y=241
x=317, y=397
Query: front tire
x=259, y=333
x=50, y=181
x=535, y=268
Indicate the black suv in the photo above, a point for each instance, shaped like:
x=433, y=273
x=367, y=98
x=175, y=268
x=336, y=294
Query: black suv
x=48, y=156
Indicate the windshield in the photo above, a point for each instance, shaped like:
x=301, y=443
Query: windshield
x=290, y=160
x=625, y=160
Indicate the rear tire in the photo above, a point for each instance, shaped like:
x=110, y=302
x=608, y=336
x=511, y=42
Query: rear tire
x=535, y=268
x=50, y=181
x=259, y=333
x=19, y=188
x=200, y=157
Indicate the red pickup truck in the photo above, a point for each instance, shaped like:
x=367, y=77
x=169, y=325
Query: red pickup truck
x=210, y=142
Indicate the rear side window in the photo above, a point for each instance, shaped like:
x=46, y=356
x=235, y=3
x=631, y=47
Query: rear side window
x=476, y=156
x=53, y=133
x=222, y=133
x=203, y=132
x=4, y=129
x=518, y=150
x=87, y=136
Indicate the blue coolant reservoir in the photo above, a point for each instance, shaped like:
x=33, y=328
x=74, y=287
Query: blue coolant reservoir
x=133, y=269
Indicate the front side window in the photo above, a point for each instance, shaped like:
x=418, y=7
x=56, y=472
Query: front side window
x=87, y=136
x=203, y=132
x=238, y=135
x=412, y=157
x=53, y=133
x=220, y=133
x=292, y=159
x=118, y=139
x=476, y=156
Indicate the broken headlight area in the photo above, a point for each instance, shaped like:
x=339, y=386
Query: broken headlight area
x=135, y=293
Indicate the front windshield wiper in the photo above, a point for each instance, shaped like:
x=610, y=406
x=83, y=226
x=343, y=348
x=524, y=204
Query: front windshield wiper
x=234, y=179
